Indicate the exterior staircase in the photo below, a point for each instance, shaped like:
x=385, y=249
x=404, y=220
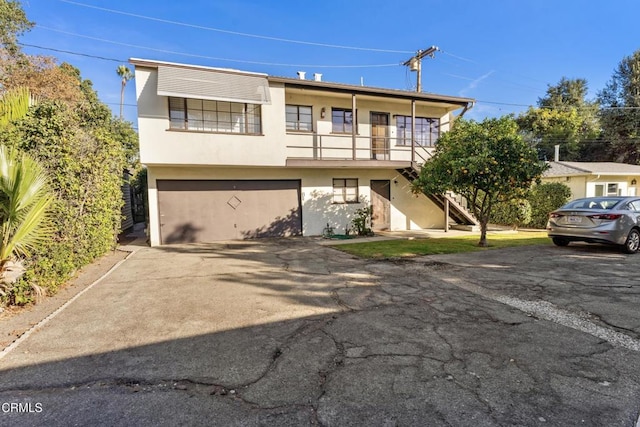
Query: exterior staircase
x=457, y=212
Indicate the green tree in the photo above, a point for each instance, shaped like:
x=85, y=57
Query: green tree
x=13, y=22
x=620, y=110
x=563, y=117
x=485, y=162
x=125, y=75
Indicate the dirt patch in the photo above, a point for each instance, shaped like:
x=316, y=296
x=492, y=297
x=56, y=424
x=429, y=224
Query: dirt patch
x=15, y=321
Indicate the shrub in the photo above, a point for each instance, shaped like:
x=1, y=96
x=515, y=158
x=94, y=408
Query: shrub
x=85, y=162
x=545, y=198
x=362, y=221
x=516, y=213
x=534, y=210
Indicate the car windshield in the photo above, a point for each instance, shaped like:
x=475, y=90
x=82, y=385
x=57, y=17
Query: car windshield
x=593, y=203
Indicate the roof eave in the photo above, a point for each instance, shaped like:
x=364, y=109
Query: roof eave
x=367, y=90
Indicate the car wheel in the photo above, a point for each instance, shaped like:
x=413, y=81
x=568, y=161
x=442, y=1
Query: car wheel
x=632, y=244
x=560, y=241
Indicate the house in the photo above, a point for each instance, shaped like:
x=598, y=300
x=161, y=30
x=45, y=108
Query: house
x=233, y=154
x=589, y=179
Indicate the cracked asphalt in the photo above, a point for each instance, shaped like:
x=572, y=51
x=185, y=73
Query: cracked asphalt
x=289, y=333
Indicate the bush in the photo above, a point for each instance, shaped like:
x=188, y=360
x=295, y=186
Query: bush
x=85, y=162
x=515, y=213
x=545, y=198
x=362, y=221
x=534, y=210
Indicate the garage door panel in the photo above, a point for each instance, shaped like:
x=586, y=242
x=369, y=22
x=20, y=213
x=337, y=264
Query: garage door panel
x=269, y=213
x=204, y=211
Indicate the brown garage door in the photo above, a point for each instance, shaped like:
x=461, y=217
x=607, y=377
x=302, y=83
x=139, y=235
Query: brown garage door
x=206, y=211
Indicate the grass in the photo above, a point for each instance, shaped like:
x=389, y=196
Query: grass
x=444, y=245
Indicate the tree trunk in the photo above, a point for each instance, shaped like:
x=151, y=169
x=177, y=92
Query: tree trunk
x=122, y=97
x=483, y=232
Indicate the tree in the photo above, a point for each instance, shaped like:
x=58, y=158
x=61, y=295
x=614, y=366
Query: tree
x=125, y=75
x=563, y=117
x=24, y=200
x=485, y=162
x=620, y=110
x=13, y=22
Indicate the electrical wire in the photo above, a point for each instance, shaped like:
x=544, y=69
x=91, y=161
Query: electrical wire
x=236, y=33
x=72, y=53
x=214, y=57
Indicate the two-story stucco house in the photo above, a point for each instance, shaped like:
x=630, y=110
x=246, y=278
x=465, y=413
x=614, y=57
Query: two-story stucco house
x=234, y=154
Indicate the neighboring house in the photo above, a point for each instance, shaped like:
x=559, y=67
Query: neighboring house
x=233, y=154
x=588, y=179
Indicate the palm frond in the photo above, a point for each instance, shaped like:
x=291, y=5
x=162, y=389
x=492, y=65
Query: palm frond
x=24, y=200
x=14, y=104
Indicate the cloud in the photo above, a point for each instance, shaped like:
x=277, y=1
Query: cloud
x=474, y=83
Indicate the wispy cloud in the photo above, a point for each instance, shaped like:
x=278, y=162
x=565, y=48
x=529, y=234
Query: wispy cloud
x=474, y=82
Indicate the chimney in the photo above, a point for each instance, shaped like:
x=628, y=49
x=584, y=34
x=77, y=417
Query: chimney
x=317, y=77
x=556, y=155
x=301, y=74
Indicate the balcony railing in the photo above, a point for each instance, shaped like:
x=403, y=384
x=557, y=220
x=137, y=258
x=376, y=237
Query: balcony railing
x=313, y=146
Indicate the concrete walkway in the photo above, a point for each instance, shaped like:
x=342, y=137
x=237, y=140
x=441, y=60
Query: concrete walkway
x=289, y=333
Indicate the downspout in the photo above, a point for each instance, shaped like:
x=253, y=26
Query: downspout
x=467, y=107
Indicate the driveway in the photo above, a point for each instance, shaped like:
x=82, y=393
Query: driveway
x=288, y=332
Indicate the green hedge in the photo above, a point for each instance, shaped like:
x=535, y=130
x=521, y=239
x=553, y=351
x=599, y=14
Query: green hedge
x=84, y=160
x=533, y=211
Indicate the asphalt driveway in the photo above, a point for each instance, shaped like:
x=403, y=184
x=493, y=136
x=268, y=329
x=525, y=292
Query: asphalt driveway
x=288, y=332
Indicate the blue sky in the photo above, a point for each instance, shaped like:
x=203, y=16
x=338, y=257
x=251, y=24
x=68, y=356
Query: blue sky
x=502, y=53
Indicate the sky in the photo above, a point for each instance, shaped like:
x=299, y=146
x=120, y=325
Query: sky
x=502, y=53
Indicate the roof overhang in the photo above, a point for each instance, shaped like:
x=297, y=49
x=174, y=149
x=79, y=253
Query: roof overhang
x=454, y=101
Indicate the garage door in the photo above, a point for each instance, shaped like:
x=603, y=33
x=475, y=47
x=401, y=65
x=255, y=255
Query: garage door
x=206, y=211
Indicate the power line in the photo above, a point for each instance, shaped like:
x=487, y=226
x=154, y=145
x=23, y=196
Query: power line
x=213, y=57
x=73, y=53
x=236, y=33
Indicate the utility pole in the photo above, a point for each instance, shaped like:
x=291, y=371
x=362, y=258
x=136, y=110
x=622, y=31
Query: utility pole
x=415, y=63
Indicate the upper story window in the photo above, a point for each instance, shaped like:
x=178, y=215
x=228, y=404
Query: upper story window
x=214, y=116
x=299, y=117
x=427, y=130
x=341, y=120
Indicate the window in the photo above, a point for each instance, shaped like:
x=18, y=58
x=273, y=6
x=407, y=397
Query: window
x=345, y=190
x=299, y=117
x=634, y=206
x=341, y=120
x=427, y=131
x=214, y=116
x=611, y=190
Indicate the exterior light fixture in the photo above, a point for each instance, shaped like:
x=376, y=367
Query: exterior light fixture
x=323, y=112
x=633, y=181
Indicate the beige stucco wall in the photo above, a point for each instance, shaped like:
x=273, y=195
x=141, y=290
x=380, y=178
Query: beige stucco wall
x=407, y=210
x=163, y=146
x=585, y=185
x=577, y=184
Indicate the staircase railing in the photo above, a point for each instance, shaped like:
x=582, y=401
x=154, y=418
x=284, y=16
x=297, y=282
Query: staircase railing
x=457, y=204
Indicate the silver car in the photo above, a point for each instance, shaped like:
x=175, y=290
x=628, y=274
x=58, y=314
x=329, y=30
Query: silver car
x=609, y=220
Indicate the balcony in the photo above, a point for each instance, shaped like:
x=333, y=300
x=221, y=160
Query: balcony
x=306, y=149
